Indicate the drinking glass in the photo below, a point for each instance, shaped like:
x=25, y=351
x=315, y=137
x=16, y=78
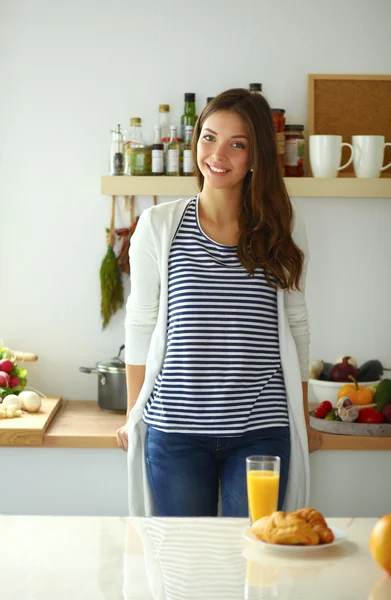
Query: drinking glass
x=263, y=482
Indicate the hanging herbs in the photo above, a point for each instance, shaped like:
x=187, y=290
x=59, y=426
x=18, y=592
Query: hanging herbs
x=112, y=293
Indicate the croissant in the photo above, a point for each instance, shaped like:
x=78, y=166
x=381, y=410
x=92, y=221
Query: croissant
x=285, y=528
x=318, y=523
x=305, y=527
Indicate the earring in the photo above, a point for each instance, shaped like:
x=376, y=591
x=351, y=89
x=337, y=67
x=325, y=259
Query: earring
x=251, y=170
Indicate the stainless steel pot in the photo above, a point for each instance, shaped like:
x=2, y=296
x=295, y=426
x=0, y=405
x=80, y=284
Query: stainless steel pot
x=112, y=395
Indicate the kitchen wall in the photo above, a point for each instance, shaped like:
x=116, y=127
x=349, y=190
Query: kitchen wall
x=72, y=71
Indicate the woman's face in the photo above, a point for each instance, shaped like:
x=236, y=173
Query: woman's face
x=223, y=150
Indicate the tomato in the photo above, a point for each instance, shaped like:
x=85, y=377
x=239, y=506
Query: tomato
x=323, y=409
x=327, y=406
x=320, y=412
x=370, y=415
x=380, y=543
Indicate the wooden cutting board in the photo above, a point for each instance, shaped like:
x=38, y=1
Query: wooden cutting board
x=28, y=430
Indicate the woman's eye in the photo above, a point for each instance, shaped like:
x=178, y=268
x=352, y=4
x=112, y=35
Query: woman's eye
x=239, y=145
x=208, y=137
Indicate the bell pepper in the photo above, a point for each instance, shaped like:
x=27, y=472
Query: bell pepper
x=359, y=394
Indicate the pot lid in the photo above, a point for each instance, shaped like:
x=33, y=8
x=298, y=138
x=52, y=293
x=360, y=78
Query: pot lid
x=114, y=365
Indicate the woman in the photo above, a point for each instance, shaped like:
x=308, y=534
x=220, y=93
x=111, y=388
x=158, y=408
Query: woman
x=216, y=327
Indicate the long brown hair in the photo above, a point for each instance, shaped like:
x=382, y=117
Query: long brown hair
x=266, y=214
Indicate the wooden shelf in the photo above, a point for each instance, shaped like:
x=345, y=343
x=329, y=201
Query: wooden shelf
x=301, y=187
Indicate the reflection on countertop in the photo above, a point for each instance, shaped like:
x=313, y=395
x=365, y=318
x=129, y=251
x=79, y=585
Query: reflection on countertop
x=109, y=558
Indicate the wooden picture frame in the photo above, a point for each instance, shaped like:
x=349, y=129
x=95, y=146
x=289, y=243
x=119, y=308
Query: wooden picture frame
x=350, y=105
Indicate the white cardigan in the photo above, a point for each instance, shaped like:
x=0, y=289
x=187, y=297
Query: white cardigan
x=146, y=340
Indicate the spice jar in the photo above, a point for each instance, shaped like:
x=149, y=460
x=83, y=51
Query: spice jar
x=141, y=159
x=279, y=124
x=117, y=152
x=294, y=151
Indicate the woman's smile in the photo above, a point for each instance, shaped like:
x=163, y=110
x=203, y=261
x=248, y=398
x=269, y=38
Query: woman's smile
x=215, y=170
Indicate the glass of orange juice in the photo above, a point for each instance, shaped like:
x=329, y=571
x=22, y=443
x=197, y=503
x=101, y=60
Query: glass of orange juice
x=263, y=482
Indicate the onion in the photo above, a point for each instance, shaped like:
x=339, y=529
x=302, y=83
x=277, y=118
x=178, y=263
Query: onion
x=341, y=371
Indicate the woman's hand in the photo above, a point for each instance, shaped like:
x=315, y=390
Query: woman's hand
x=122, y=437
x=314, y=436
x=315, y=439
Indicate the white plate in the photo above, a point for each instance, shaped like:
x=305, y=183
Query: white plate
x=339, y=536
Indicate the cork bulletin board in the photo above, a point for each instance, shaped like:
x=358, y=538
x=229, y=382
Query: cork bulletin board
x=350, y=105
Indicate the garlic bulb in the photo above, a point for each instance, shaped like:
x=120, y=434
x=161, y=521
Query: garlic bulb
x=347, y=410
x=31, y=401
x=12, y=399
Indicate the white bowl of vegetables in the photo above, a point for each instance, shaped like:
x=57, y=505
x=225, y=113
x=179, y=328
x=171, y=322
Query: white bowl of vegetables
x=328, y=390
x=344, y=368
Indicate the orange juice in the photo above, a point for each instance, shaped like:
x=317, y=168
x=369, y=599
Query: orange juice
x=262, y=491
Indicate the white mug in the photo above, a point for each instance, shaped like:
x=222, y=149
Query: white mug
x=326, y=154
x=368, y=155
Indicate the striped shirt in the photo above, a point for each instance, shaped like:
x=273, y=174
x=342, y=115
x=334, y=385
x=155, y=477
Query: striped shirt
x=222, y=373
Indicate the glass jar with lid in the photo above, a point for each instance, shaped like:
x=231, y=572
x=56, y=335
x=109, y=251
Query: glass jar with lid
x=255, y=87
x=117, y=152
x=164, y=122
x=141, y=159
x=294, y=151
x=134, y=137
x=278, y=115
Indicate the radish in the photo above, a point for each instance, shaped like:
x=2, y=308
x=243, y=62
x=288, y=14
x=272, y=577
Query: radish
x=6, y=365
x=4, y=379
x=14, y=381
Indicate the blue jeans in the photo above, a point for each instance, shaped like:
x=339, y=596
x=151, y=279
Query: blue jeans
x=185, y=470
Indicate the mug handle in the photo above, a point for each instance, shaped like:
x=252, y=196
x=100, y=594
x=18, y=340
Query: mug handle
x=389, y=164
x=351, y=156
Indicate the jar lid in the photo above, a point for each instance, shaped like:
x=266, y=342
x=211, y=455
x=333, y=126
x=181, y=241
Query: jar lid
x=279, y=110
x=190, y=97
x=164, y=108
x=135, y=121
x=255, y=87
x=294, y=127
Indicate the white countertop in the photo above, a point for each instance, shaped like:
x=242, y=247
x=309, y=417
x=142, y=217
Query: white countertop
x=110, y=558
